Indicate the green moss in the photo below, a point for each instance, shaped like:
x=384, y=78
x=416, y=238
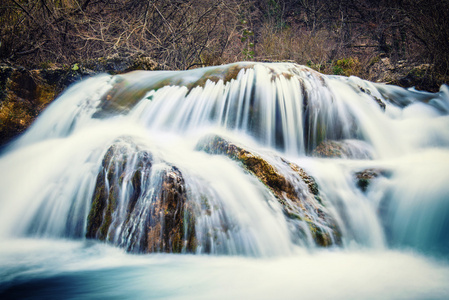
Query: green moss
x=294, y=215
x=110, y=209
x=346, y=66
x=177, y=243
x=45, y=94
x=374, y=60
x=96, y=210
x=95, y=217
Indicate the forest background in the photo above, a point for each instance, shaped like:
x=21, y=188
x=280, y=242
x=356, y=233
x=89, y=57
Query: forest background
x=343, y=37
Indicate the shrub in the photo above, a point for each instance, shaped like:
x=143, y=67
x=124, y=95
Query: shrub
x=347, y=66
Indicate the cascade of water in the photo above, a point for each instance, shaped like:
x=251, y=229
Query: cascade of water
x=414, y=201
x=284, y=106
x=73, y=110
x=117, y=158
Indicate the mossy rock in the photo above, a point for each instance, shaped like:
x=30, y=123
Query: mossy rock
x=342, y=149
x=305, y=205
x=129, y=89
x=24, y=94
x=169, y=224
x=423, y=78
x=215, y=74
x=330, y=149
x=365, y=177
x=171, y=216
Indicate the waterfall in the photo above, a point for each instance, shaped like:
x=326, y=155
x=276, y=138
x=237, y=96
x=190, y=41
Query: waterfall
x=256, y=159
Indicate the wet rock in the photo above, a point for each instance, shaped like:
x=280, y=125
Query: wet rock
x=365, y=177
x=104, y=201
x=253, y=163
x=352, y=149
x=168, y=221
x=377, y=99
x=329, y=149
x=226, y=74
x=125, y=94
x=129, y=211
x=297, y=192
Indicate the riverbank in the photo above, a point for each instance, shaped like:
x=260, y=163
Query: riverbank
x=25, y=93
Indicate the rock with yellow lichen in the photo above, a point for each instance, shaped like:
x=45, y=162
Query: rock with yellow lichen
x=295, y=190
x=351, y=149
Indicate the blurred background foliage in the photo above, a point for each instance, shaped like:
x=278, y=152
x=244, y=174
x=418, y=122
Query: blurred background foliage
x=343, y=37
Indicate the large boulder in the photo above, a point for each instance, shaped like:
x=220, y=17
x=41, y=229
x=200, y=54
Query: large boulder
x=296, y=191
x=138, y=207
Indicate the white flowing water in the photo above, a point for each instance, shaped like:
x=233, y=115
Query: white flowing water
x=394, y=234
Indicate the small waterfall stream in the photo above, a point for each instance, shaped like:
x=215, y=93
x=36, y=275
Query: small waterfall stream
x=249, y=159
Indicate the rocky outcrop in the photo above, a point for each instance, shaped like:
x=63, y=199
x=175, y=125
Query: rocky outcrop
x=296, y=191
x=118, y=65
x=140, y=203
x=404, y=73
x=138, y=208
x=23, y=95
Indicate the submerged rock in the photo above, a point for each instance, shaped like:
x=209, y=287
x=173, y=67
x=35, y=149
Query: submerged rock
x=129, y=89
x=375, y=98
x=138, y=207
x=296, y=191
x=365, y=177
x=352, y=149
